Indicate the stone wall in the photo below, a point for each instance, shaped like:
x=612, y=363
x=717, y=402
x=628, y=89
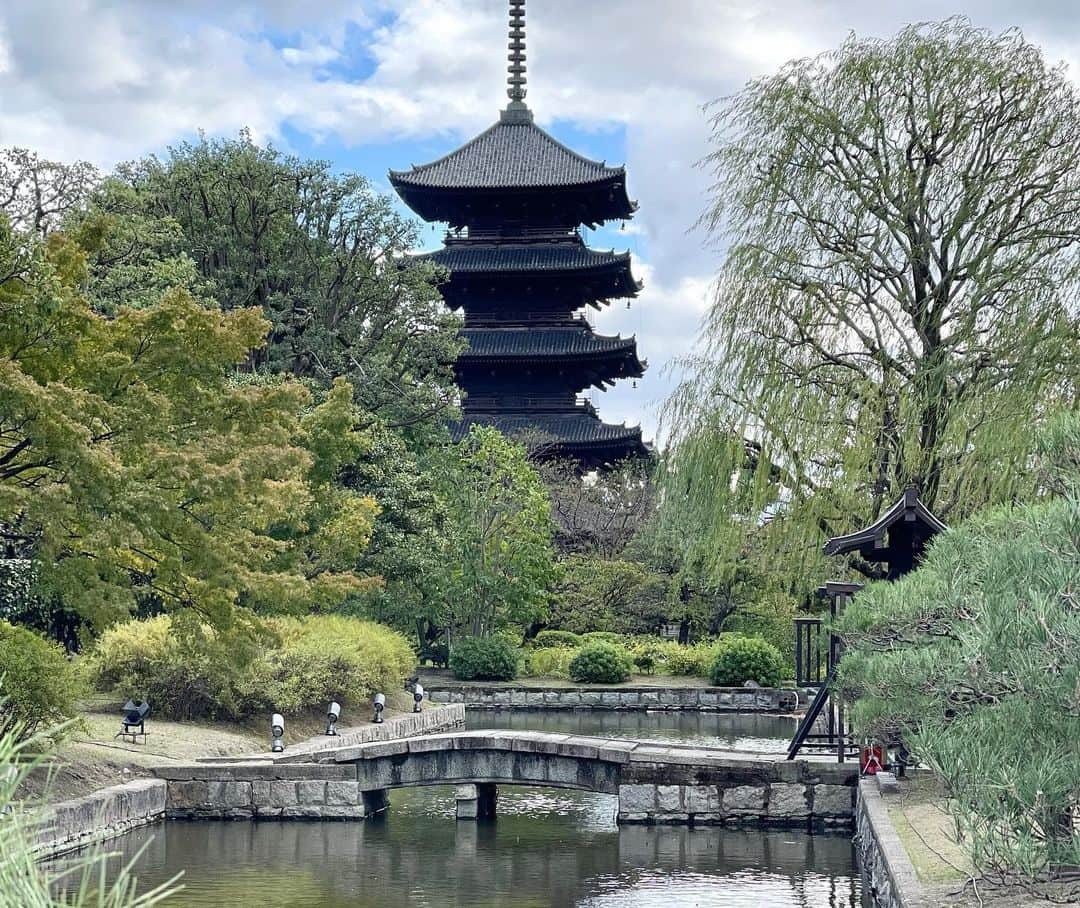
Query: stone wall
x=778, y=793
x=888, y=874
x=101, y=815
x=705, y=699
x=264, y=789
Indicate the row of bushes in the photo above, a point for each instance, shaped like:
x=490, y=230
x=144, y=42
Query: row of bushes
x=194, y=673
x=292, y=665
x=608, y=658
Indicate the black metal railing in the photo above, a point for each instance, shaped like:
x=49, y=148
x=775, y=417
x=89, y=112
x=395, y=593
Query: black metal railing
x=811, y=652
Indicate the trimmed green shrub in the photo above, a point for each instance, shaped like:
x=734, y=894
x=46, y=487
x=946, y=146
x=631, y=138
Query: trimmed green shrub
x=603, y=637
x=600, y=663
x=298, y=663
x=323, y=658
x=551, y=661
x=483, y=659
x=183, y=676
x=742, y=659
x=38, y=686
x=556, y=638
x=688, y=660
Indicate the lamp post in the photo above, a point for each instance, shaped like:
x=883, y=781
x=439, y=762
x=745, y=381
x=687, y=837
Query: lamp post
x=277, y=732
x=333, y=712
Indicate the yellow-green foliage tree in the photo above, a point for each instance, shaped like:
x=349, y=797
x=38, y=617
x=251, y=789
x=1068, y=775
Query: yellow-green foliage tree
x=135, y=464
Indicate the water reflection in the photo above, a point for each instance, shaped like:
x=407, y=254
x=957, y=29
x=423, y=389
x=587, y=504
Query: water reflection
x=547, y=847
x=732, y=731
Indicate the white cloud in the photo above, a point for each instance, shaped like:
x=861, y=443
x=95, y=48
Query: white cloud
x=107, y=80
x=317, y=55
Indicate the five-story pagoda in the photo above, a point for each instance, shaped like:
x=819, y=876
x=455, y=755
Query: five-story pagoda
x=515, y=199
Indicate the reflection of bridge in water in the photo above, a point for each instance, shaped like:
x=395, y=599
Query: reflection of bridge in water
x=655, y=783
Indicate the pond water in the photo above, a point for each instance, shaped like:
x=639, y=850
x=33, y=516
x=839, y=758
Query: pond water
x=547, y=847
x=730, y=731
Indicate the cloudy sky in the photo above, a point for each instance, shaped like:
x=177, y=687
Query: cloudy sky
x=374, y=84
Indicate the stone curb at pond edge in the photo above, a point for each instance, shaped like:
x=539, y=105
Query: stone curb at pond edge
x=886, y=868
x=101, y=815
x=409, y=725
x=702, y=699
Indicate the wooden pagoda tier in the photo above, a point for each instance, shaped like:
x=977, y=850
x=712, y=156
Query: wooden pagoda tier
x=515, y=199
x=515, y=173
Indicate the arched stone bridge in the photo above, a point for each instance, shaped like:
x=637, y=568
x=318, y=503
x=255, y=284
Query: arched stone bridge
x=654, y=782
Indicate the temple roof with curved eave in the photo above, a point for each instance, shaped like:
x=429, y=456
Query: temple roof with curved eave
x=548, y=343
x=494, y=258
x=513, y=153
x=514, y=166
x=580, y=431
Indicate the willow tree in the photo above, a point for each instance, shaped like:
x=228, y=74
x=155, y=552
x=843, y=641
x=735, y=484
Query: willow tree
x=897, y=303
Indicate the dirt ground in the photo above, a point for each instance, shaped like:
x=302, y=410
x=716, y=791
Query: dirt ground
x=919, y=815
x=91, y=757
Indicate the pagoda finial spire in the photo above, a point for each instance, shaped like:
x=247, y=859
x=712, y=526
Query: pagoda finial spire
x=515, y=79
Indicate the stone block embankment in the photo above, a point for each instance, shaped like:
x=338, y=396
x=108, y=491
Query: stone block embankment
x=887, y=872
x=703, y=699
x=105, y=813
x=263, y=789
x=678, y=785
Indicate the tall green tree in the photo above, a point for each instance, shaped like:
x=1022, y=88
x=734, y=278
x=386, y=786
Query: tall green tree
x=133, y=462
x=319, y=252
x=897, y=305
x=499, y=536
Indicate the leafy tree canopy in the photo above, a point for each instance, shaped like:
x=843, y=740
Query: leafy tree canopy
x=897, y=305
x=318, y=251
x=502, y=562
x=133, y=463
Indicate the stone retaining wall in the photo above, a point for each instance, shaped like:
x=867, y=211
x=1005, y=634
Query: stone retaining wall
x=705, y=699
x=408, y=725
x=736, y=792
x=887, y=871
x=101, y=815
x=265, y=790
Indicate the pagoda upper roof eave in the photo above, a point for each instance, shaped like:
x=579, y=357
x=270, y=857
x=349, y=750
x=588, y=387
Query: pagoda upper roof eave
x=511, y=153
x=587, y=203
x=498, y=259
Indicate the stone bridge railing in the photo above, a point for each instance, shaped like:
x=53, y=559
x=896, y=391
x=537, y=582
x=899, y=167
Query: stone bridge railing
x=654, y=783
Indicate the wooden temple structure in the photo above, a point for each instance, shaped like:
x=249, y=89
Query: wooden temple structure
x=515, y=199
x=897, y=540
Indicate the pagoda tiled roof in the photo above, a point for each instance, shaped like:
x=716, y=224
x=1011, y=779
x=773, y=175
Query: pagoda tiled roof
x=571, y=429
x=493, y=258
x=514, y=153
x=546, y=342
